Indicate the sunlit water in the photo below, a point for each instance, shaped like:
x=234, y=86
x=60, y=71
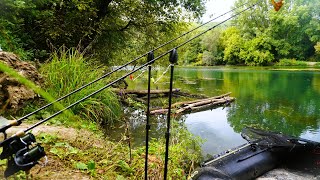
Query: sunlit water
x=286, y=101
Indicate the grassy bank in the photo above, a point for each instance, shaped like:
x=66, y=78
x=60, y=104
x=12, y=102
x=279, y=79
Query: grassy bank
x=76, y=146
x=84, y=154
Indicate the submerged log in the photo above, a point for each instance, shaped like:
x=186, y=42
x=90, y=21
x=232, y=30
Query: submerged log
x=196, y=105
x=143, y=92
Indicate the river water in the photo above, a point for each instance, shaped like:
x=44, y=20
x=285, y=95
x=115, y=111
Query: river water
x=281, y=100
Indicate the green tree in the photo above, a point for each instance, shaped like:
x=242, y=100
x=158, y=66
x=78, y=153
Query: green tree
x=317, y=48
x=105, y=26
x=212, y=48
x=233, y=44
x=291, y=32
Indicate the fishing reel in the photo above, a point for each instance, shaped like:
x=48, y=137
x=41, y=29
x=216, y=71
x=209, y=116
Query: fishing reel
x=20, y=153
x=13, y=144
x=24, y=160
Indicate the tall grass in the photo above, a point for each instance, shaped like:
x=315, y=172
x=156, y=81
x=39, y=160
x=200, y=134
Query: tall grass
x=68, y=70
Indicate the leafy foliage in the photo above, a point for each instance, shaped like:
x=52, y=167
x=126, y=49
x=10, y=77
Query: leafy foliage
x=104, y=26
x=262, y=36
x=290, y=33
x=290, y=62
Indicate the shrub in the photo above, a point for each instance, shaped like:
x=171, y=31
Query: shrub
x=290, y=62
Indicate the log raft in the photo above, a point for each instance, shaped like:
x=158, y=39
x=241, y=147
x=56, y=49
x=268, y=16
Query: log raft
x=196, y=105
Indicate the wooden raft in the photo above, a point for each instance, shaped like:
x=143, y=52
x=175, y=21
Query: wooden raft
x=196, y=105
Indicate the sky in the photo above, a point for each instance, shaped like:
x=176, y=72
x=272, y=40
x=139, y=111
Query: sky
x=215, y=8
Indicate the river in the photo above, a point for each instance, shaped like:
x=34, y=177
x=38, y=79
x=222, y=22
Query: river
x=281, y=100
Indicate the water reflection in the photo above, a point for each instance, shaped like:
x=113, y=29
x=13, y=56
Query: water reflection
x=283, y=101
x=212, y=126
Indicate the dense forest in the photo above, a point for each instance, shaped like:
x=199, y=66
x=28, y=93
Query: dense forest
x=117, y=31
x=106, y=29
x=262, y=36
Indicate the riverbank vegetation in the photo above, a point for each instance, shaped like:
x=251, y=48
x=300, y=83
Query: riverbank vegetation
x=113, y=32
x=262, y=36
x=78, y=148
x=75, y=153
x=103, y=32
x=68, y=70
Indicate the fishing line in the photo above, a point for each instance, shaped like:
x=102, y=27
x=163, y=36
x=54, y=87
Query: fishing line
x=155, y=82
x=22, y=132
x=38, y=151
x=142, y=71
x=19, y=121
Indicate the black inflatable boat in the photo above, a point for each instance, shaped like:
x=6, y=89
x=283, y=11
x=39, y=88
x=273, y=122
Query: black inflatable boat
x=263, y=152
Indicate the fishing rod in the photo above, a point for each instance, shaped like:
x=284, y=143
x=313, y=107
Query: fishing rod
x=19, y=121
x=26, y=158
x=22, y=132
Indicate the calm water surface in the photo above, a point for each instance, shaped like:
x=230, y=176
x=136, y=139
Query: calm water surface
x=286, y=101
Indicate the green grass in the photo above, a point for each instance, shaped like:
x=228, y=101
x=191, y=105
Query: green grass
x=68, y=70
x=89, y=155
x=21, y=79
x=109, y=160
x=290, y=62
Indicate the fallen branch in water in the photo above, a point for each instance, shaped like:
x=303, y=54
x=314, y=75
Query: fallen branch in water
x=196, y=105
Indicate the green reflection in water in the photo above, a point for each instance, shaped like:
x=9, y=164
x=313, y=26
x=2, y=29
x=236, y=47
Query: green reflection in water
x=277, y=100
x=285, y=101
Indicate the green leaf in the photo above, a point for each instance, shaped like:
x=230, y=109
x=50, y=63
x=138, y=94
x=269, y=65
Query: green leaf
x=3, y=162
x=91, y=165
x=81, y=166
x=57, y=152
x=119, y=177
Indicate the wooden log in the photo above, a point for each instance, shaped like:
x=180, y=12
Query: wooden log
x=196, y=105
x=206, y=106
x=144, y=92
x=158, y=111
x=198, y=100
x=189, y=106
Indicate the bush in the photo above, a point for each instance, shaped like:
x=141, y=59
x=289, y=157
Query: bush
x=290, y=62
x=69, y=70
